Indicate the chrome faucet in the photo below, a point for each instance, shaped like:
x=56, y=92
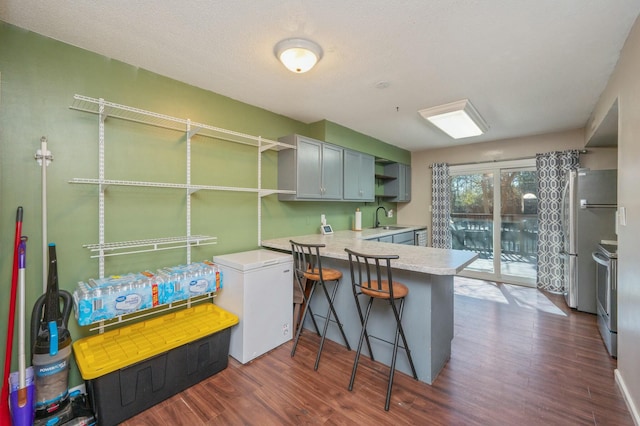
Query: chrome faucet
x=377, y=210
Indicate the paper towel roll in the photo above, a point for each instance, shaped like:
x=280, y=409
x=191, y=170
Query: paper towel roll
x=358, y=221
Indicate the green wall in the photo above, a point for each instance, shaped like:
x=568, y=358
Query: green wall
x=340, y=135
x=38, y=78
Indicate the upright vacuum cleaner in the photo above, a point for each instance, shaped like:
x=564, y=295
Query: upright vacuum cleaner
x=51, y=349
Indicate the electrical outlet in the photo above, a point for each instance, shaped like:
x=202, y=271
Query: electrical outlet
x=285, y=329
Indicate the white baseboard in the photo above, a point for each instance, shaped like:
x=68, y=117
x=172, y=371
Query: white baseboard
x=633, y=410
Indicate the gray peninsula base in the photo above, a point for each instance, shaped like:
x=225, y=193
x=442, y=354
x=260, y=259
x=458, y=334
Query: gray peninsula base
x=427, y=320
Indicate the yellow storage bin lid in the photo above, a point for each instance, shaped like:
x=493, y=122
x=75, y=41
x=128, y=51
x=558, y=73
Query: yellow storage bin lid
x=105, y=353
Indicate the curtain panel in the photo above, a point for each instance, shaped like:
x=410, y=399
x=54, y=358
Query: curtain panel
x=441, y=203
x=552, y=169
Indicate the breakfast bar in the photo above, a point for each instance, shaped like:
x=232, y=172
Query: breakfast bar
x=428, y=313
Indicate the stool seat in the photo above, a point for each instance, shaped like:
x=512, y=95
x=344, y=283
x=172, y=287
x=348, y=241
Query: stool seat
x=328, y=274
x=371, y=289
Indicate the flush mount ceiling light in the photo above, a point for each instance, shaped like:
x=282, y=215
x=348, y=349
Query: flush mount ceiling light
x=457, y=119
x=297, y=54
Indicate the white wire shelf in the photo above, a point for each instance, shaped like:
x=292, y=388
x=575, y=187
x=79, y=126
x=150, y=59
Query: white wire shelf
x=266, y=192
x=142, y=246
x=191, y=188
x=104, y=109
x=124, y=112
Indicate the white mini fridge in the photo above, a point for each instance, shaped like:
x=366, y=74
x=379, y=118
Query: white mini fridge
x=258, y=288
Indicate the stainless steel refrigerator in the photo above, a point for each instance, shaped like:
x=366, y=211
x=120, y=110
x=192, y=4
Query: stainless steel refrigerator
x=588, y=217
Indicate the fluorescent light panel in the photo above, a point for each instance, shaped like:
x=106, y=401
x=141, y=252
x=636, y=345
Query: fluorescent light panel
x=457, y=119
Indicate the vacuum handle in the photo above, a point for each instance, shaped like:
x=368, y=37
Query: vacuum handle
x=37, y=317
x=51, y=307
x=66, y=307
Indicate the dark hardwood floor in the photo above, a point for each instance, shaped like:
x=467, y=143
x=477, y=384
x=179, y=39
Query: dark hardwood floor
x=519, y=357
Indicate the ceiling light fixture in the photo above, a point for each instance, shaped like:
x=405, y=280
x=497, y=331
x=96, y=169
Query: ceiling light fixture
x=457, y=119
x=297, y=54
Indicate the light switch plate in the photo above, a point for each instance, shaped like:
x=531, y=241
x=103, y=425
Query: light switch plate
x=622, y=216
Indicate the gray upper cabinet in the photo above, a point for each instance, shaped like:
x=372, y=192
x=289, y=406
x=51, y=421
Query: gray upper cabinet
x=405, y=183
x=314, y=169
x=400, y=187
x=359, y=172
x=331, y=172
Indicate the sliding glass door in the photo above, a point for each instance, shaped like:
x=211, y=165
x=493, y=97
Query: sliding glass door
x=472, y=200
x=518, y=224
x=494, y=213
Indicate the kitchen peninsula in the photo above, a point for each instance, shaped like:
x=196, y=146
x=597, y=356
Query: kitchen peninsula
x=428, y=312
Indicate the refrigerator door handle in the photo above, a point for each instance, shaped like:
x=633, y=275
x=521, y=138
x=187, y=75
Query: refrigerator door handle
x=563, y=204
x=568, y=215
x=571, y=295
x=584, y=204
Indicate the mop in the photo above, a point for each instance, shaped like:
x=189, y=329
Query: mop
x=5, y=416
x=21, y=382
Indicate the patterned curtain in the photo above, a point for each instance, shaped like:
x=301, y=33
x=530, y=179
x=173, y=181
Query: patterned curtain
x=441, y=202
x=552, y=168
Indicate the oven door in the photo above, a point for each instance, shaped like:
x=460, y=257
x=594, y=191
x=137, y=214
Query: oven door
x=606, y=289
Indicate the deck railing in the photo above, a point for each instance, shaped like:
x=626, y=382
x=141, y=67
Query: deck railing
x=474, y=231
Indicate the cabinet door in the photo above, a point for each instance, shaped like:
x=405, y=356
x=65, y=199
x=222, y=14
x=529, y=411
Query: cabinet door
x=387, y=239
x=331, y=172
x=309, y=169
x=400, y=187
x=351, y=175
x=405, y=183
x=404, y=238
x=359, y=172
x=367, y=177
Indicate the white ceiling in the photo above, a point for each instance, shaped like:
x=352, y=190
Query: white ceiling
x=529, y=67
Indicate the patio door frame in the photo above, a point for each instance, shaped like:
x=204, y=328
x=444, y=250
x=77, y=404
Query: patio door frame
x=528, y=164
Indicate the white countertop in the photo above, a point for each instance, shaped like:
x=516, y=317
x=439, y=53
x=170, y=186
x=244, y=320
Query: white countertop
x=412, y=258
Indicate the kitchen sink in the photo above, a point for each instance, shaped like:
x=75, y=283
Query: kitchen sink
x=390, y=227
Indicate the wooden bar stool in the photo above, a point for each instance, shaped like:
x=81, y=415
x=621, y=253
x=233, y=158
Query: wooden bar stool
x=308, y=268
x=371, y=277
